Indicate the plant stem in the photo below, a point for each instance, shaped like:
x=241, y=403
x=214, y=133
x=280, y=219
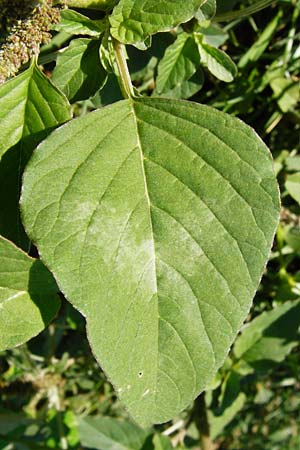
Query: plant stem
x=232, y=15
x=291, y=35
x=124, y=79
x=201, y=421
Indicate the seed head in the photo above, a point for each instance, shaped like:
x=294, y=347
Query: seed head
x=25, y=25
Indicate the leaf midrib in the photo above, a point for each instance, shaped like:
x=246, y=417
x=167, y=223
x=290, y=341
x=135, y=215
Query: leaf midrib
x=139, y=145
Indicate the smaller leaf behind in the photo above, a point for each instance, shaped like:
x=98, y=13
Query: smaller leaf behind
x=79, y=73
x=179, y=63
x=30, y=107
x=217, y=61
x=292, y=185
x=271, y=336
x=106, y=433
x=101, y=5
x=207, y=11
x=28, y=296
x=74, y=23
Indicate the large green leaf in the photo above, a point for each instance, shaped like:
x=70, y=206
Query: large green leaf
x=28, y=296
x=133, y=21
x=180, y=62
x=30, y=107
x=79, y=73
x=156, y=217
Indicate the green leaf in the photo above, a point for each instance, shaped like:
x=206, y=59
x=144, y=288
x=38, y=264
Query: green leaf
x=213, y=35
x=28, y=296
x=30, y=107
x=230, y=389
x=102, y=5
x=132, y=21
x=179, y=63
x=26, y=102
x=161, y=442
x=187, y=88
x=207, y=11
x=105, y=433
x=292, y=185
x=73, y=22
x=217, y=61
x=230, y=401
x=79, y=73
x=10, y=422
x=218, y=423
x=255, y=52
x=156, y=217
x=107, y=55
x=293, y=163
x=271, y=336
x=287, y=93
x=291, y=235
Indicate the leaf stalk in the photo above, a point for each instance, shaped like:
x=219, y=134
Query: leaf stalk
x=124, y=75
x=201, y=421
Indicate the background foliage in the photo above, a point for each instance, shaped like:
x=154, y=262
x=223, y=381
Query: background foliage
x=52, y=392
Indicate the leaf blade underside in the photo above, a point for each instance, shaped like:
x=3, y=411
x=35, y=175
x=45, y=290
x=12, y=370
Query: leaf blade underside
x=157, y=228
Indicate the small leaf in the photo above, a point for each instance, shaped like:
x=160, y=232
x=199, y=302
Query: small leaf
x=179, y=63
x=79, y=73
x=293, y=163
x=73, y=22
x=107, y=55
x=187, y=88
x=26, y=101
x=207, y=11
x=217, y=61
x=213, y=35
x=271, y=336
x=161, y=442
x=156, y=217
x=291, y=235
x=30, y=107
x=101, y=5
x=218, y=423
x=292, y=185
x=9, y=422
x=132, y=21
x=258, y=48
x=28, y=296
x=105, y=433
x=287, y=93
